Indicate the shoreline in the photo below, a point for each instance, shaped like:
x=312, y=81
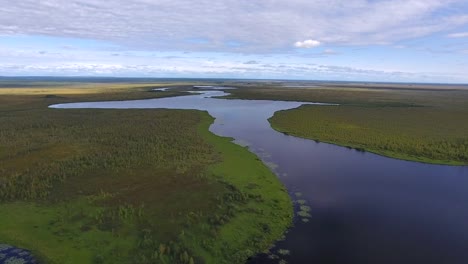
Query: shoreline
x=389, y=154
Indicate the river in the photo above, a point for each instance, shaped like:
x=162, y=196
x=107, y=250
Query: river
x=364, y=208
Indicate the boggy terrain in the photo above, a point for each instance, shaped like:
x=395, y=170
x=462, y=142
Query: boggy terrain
x=427, y=123
x=130, y=186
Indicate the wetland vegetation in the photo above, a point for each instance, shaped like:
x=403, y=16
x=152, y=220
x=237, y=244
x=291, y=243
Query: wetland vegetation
x=120, y=186
x=420, y=124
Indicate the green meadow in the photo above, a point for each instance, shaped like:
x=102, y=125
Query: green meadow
x=130, y=186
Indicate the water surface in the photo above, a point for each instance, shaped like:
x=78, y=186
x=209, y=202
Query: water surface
x=365, y=208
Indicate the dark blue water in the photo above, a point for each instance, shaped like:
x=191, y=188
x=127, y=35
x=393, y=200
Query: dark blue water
x=13, y=255
x=364, y=208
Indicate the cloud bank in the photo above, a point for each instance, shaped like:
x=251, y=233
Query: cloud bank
x=379, y=40
x=232, y=25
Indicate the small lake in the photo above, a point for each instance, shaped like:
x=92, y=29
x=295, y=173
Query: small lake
x=364, y=208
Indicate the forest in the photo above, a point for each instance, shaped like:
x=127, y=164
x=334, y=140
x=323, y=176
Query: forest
x=414, y=133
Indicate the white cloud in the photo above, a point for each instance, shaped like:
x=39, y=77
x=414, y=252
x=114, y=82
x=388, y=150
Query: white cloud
x=458, y=35
x=255, y=26
x=310, y=43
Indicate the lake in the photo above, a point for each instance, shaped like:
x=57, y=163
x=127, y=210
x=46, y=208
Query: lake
x=364, y=208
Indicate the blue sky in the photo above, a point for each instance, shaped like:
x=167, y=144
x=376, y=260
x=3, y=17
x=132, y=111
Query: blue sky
x=361, y=40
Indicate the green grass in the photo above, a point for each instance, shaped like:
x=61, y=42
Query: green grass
x=120, y=186
x=265, y=213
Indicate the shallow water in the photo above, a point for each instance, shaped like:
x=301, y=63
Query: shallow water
x=364, y=208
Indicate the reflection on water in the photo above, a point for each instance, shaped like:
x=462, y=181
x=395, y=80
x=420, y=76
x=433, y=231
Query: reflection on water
x=160, y=89
x=363, y=208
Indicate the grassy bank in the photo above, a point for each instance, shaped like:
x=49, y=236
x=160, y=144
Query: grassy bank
x=422, y=134
x=122, y=186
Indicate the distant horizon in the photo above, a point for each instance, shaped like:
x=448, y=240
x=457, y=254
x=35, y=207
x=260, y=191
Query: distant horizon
x=222, y=78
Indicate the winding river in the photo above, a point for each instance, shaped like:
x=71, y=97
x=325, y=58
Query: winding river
x=364, y=208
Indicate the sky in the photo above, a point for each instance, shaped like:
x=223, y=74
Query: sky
x=347, y=40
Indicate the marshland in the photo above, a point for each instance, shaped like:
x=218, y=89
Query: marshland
x=120, y=186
